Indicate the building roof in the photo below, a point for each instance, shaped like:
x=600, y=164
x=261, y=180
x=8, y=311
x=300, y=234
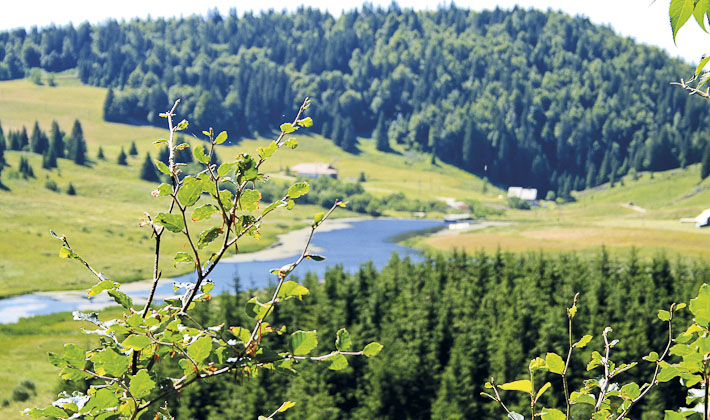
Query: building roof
x=529, y=194
x=314, y=168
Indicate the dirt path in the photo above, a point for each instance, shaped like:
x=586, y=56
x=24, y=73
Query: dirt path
x=631, y=206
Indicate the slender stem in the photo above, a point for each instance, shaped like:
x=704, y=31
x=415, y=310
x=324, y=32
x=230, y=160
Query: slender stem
x=605, y=386
x=706, y=411
x=647, y=387
x=693, y=91
x=570, y=316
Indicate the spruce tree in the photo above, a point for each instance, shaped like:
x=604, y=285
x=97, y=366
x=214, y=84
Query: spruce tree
x=71, y=190
x=381, y=140
x=24, y=139
x=100, y=154
x=56, y=139
x=3, y=144
x=705, y=163
x=108, y=105
x=38, y=140
x=148, y=170
x=122, y=158
x=2, y=151
x=133, y=151
x=77, y=144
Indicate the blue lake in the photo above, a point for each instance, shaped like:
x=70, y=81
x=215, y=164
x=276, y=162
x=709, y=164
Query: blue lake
x=361, y=241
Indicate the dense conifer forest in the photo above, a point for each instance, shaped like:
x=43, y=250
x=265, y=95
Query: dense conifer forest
x=522, y=97
x=447, y=325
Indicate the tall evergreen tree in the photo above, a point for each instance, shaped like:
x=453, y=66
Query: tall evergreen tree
x=133, y=151
x=705, y=165
x=77, y=144
x=56, y=139
x=38, y=140
x=108, y=106
x=100, y=154
x=148, y=172
x=24, y=139
x=382, y=142
x=122, y=158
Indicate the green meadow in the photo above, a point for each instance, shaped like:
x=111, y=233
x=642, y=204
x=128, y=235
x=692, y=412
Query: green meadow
x=102, y=220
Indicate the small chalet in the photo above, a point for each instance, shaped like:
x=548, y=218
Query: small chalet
x=314, y=170
x=527, y=194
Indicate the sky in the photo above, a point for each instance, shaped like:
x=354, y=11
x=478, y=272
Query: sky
x=642, y=20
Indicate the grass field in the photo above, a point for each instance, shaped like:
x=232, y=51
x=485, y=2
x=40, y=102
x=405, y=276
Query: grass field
x=101, y=221
x=603, y=217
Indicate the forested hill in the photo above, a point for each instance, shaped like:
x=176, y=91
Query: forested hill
x=523, y=97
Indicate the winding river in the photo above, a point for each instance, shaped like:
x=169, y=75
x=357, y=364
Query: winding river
x=348, y=243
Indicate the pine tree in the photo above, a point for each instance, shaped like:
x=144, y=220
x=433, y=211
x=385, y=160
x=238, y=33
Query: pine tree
x=77, y=144
x=71, y=190
x=50, y=156
x=38, y=140
x=56, y=139
x=122, y=158
x=148, y=170
x=108, y=105
x=100, y=154
x=24, y=140
x=133, y=151
x=382, y=142
x=705, y=165
x=3, y=146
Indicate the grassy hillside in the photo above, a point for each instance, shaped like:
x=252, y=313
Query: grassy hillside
x=643, y=213
x=101, y=221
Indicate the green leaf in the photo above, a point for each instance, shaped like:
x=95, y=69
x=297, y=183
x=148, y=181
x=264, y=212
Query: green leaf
x=372, y=349
x=256, y=309
x=136, y=342
x=160, y=142
x=109, y=362
x=580, y=398
x=182, y=146
x=171, y=222
x=274, y=205
x=292, y=289
x=182, y=125
x=162, y=167
x=101, y=400
x=582, y=343
x=291, y=143
x=552, y=414
x=700, y=306
x=190, y=191
x=221, y=138
x=338, y=362
x=298, y=189
x=668, y=372
x=101, y=286
x=226, y=197
x=287, y=128
x=141, y=384
x=701, y=7
x=302, y=342
x=342, y=340
x=682, y=350
x=306, y=122
x=664, y=315
x=249, y=200
x=207, y=236
x=652, y=357
x=318, y=218
x=241, y=333
x=200, y=349
x=290, y=204
x=225, y=168
x=266, y=152
x=182, y=257
x=121, y=298
x=163, y=190
x=555, y=363
x=679, y=12
x=285, y=406
x=542, y=390
x=703, y=61
x=74, y=356
x=52, y=411
x=515, y=416
x=522, y=386
x=204, y=212
x=631, y=390
x=199, y=153
x=315, y=257
x=672, y=415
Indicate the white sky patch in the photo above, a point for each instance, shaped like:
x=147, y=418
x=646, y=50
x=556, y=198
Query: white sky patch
x=640, y=19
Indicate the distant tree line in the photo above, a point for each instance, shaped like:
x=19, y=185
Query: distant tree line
x=522, y=97
x=447, y=325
